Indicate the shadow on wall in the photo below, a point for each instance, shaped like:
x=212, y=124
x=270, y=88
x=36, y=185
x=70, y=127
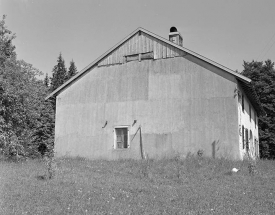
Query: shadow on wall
x=215, y=148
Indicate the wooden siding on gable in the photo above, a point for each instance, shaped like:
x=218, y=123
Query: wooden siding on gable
x=141, y=43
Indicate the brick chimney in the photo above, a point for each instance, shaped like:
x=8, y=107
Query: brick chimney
x=174, y=36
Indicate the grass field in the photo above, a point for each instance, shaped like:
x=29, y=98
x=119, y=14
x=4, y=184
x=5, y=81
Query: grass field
x=171, y=186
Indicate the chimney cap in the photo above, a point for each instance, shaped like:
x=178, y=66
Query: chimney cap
x=173, y=29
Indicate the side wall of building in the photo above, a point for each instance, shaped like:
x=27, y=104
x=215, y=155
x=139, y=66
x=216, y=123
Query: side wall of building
x=182, y=105
x=248, y=127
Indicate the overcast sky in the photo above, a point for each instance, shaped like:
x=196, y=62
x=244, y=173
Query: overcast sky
x=227, y=32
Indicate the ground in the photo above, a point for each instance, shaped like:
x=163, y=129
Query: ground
x=195, y=185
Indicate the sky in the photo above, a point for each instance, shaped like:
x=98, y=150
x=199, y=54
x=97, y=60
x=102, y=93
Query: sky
x=227, y=32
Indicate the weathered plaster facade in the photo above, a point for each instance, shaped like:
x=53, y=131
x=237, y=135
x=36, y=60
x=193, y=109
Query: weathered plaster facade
x=248, y=122
x=172, y=102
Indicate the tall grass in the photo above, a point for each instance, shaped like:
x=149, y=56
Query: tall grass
x=194, y=185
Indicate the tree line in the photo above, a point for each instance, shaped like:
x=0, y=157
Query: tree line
x=27, y=120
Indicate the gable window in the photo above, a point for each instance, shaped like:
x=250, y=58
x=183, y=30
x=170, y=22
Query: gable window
x=121, y=137
x=148, y=55
x=243, y=102
x=139, y=57
x=132, y=57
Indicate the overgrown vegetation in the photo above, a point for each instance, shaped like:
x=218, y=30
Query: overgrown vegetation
x=194, y=185
x=26, y=119
x=21, y=101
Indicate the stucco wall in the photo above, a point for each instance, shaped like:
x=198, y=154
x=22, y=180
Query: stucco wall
x=250, y=122
x=182, y=105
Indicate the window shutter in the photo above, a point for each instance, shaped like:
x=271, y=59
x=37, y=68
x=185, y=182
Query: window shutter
x=246, y=139
x=243, y=135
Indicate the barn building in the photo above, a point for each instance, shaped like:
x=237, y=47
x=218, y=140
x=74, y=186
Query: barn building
x=149, y=96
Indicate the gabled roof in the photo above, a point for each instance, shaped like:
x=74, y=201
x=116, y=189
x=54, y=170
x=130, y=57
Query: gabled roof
x=246, y=82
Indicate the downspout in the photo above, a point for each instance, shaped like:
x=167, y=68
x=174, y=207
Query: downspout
x=141, y=146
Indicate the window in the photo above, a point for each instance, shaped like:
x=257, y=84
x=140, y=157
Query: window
x=243, y=136
x=250, y=113
x=256, y=147
x=243, y=102
x=139, y=57
x=121, y=136
x=250, y=138
x=148, y=55
x=131, y=57
x=246, y=140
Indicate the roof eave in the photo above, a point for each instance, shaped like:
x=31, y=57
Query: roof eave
x=253, y=97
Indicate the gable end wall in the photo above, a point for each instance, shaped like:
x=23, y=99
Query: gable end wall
x=182, y=105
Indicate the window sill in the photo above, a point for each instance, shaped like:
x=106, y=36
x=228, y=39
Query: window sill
x=124, y=149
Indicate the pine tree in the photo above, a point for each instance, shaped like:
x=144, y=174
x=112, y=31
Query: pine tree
x=46, y=80
x=59, y=73
x=43, y=136
x=263, y=80
x=7, y=49
x=72, y=70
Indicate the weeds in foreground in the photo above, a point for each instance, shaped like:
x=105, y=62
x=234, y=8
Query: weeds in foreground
x=51, y=167
x=145, y=168
x=251, y=164
x=194, y=185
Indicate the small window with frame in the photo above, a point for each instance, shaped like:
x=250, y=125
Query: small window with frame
x=134, y=57
x=139, y=57
x=121, y=137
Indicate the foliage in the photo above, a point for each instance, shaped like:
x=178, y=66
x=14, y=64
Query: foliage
x=263, y=80
x=72, y=70
x=59, y=73
x=43, y=135
x=26, y=119
x=6, y=47
x=11, y=147
x=46, y=80
x=22, y=103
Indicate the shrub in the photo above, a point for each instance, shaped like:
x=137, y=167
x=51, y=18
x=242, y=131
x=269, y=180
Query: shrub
x=11, y=147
